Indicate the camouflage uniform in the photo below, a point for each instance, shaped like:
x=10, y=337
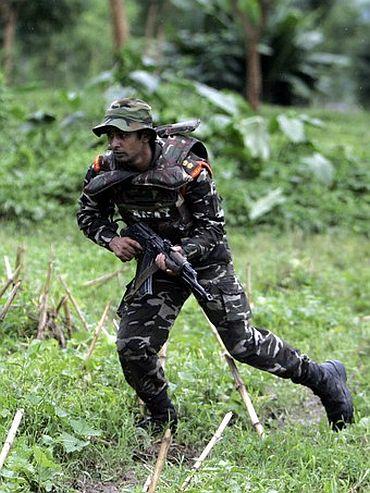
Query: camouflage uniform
x=177, y=198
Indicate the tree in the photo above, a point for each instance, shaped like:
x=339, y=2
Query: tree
x=119, y=26
x=253, y=16
x=33, y=22
x=9, y=13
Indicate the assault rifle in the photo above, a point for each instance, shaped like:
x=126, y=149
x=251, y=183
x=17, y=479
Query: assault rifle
x=152, y=245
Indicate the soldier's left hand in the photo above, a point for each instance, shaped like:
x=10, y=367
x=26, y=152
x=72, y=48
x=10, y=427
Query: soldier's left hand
x=160, y=260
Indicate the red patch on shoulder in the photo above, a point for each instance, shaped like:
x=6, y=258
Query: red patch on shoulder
x=97, y=164
x=200, y=166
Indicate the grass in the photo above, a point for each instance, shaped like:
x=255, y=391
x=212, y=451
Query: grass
x=78, y=433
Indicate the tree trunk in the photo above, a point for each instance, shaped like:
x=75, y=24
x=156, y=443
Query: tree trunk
x=119, y=25
x=252, y=37
x=10, y=16
x=253, y=86
x=161, y=33
x=150, y=25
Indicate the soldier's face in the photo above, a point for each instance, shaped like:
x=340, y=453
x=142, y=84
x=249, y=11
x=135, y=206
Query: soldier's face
x=127, y=147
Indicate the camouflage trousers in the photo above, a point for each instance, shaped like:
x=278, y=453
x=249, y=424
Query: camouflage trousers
x=146, y=321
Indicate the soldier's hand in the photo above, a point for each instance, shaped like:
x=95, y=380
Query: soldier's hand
x=160, y=260
x=125, y=248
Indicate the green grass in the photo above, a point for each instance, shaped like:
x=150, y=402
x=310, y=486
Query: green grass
x=312, y=291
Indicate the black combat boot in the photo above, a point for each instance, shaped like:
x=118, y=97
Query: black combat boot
x=162, y=414
x=328, y=381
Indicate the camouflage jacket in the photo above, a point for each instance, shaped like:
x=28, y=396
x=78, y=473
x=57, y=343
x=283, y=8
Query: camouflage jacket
x=177, y=198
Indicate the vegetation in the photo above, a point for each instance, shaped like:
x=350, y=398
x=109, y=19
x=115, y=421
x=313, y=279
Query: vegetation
x=295, y=183
x=283, y=164
x=79, y=424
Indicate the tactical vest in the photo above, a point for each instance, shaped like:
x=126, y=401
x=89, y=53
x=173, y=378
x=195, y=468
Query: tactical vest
x=157, y=195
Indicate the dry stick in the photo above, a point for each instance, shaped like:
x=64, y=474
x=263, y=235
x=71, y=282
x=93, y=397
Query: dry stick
x=8, y=269
x=96, y=333
x=60, y=304
x=240, y=386
x=216, y=437
x=10, y=281
x=68, y=317
x=9, y=301
x=43, y=318
x=102, y=279
x=163, y=355
x=63, y=303
x=74, y=303
x=152, y=481
x=19, y=262
x=244, y=395
x=10, y=437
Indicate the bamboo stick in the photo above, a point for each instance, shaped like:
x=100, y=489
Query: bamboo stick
x=68, y=317
x=60, y=304
x=9, y=301
x=240, y=386
x=11, y=436
x=43, y=308
x=152, y=481
x=102, y=279
x=216, y=437
x=19, y=262
x=163, y=355
x=96, y=333
x=8, y=269
x=74, y=303
x=10, y=281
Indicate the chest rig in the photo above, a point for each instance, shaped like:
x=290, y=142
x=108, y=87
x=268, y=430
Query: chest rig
x=157, y=195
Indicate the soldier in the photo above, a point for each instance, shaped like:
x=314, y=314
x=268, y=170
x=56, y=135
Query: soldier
x=166, y=182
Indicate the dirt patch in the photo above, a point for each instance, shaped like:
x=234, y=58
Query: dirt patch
x=311, y=410
x=88, y=485
x=306, y=410
x=178, y=453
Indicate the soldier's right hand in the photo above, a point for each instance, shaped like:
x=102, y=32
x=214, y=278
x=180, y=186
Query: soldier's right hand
x=125, y=248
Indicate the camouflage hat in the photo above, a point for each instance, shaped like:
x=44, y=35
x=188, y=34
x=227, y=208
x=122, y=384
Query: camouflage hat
x=128, y=115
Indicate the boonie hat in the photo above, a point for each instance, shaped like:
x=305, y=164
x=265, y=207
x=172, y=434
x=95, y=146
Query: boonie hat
x=128, y=115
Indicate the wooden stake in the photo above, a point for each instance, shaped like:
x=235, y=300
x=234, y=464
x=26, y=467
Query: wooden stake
x=74, y=303
x=19, y=262
x=96, y=333
x=60, y=304
x=216, y=437
x=240, y=386
x=152, y=481
x=10, y=437
x=163, y=355
x=8, y=269
x=102, y=279
x=9, y=301
x=68, y=317
x=10, y=281
x=43, y=309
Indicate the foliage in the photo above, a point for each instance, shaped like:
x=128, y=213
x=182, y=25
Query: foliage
x=78, y=431
x=322, y=176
